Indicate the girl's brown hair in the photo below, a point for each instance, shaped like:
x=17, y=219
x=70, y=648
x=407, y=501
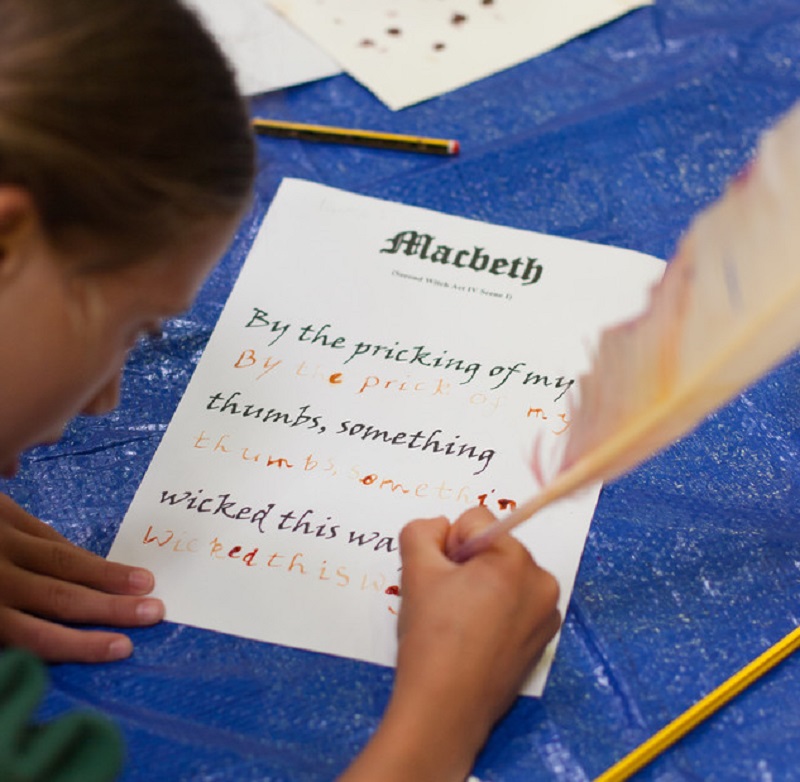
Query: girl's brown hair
x=121, y=118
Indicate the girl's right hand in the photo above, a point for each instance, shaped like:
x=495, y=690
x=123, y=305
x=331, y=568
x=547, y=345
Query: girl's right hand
x=468, y=635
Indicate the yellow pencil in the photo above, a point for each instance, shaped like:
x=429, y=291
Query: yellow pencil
x=364, y=138
x=701, y=710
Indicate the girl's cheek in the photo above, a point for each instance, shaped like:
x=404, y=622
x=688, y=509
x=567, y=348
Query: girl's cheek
x=107, y=397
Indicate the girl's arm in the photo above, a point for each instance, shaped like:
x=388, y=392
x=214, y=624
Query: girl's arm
x=468, y=635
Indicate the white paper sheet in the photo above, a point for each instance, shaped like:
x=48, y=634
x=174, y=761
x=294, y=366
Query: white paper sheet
x=375, y=362
x=407, y=52
x=266, y=51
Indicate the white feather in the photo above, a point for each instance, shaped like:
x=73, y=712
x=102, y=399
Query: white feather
x=725, y=312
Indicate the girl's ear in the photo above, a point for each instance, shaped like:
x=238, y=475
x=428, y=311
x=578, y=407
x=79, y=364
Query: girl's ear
x=18, y=219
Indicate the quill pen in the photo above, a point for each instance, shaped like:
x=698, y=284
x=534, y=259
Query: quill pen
x=726, y=310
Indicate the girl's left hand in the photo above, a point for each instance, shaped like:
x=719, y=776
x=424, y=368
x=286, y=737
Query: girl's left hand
x=46, y=580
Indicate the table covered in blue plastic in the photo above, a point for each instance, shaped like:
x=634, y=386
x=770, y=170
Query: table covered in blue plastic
x=692, y=565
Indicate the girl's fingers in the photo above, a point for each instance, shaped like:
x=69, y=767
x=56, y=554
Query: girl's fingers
x=468, y=525
x=423, y=540
x=54, y=642
x=35, y=546
x=44, y=577
x=417, y=537
x=66, y=562
x=52, y=598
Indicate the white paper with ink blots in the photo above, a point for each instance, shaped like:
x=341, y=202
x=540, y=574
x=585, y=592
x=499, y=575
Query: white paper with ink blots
x=266, y=51
x=406, y=51
x=374, y=363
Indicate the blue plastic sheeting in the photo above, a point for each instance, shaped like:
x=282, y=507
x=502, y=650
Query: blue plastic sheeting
x=692, y=566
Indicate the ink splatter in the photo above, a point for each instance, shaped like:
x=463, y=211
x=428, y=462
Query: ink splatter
x=367, y=42
x=487, y=2
x=393, y=590
x=458, y=19
x=437, y=47
x=394, y=31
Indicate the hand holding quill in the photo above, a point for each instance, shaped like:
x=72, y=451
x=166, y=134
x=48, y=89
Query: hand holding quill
x=726, y=311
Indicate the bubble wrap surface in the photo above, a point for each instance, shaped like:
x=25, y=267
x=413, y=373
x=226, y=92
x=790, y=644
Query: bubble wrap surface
x=692, y=565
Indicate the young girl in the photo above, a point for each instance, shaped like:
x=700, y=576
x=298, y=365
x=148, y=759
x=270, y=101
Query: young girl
x=126, y=163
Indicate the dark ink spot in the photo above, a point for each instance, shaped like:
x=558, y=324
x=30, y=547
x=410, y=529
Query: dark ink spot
x=438, y=47
x=394, y=31
x=393, y=590
x=458, y=19
x=487, y=2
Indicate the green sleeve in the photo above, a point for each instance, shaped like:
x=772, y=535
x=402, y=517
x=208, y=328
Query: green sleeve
x=75, y=747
